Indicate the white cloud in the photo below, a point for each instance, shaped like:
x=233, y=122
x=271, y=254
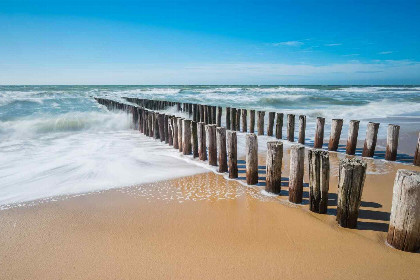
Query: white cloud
x=289, y=43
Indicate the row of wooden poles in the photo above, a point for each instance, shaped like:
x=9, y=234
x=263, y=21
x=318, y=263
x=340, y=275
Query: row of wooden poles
x=236, y=119
x=219, y=146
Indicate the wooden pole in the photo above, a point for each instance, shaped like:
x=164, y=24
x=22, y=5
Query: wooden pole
x=251, y=159
x=156, y=125
x=251, y=121
x=270, y=126
x=212, y=145
x=228, y=118
x=319, y=180
x=219, y=116
x=392, y=142
x=166, y=128
x=151, y=123
x=213, y=115
x=273, y=166
x=352, y=137
x=261, y=115
x=194, y=139
x=244, y=120
x=302, y=128
x=175, y=132
x=291, y=127
x=297, y=162
x=279, y=126
x=202, y=152
x=201, y=109
x=186, y=137
x=370, y=140
x=221, y=148
x=238, y=120
x=404, y=225
x=319, y=133
x=232, y=150
x=233, y=119
x=180, y=145
x=161, y=118
x=351, y=178
x=336, y=126
x=416, y=160
x=170, y=131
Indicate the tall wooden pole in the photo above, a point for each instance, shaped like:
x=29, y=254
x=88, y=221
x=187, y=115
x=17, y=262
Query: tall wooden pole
x=228, y=118
x=319, y=133
x=352, y=137
x=261, y=115
x=232, y=149
x=319, y=180
x=392, y=142
x=202, y=147
x=244, y=120
x=291, y=127
x=279, y=126
x=219, y=116
x=212, y=145
x=251, y=159
x=302, y=128
x=270, y=126
x=186, y=137
x=221, y=148
x=336, y=126
x=297, y=163
x=273, y=166
x=251, y=121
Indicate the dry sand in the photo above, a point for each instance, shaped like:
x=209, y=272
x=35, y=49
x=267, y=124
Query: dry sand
x=203, y=227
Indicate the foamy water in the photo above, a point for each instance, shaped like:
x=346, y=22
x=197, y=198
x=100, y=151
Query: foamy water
x=56, y=140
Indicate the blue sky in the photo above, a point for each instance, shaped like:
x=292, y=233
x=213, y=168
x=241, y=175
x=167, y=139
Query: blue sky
x=209, y=42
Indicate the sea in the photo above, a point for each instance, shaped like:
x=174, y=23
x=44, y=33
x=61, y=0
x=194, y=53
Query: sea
x=57, y=140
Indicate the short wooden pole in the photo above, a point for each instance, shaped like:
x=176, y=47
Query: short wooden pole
x=302, y=128
x=238, y=120
x=219, y=116
x=170, y=131
x=151, y=123
x=261, y=115
x=156, y=125
x=194, y=139
x=273, y=166
x=279, y=126
x=232, y=150
x=392, y=142
x=251, y=121
x=180, y=145
x=370, y=140
x=336, y=126
x=175, y=132
x=202, y=147
x=221, y=148
x=166, y=128
x=297, y=163
x=291, y=127
x=416, y=160
x=212, y=145
x=351, y=178
x=213, y=114
x=228, y=118
x=270, y=126
x=233, y=119
x=404, y=225
x=319, y=133
x=244, y=120
x=251, y=159
x=186, y=137
x=161, y=118
x=352, y=137
x=319, y=180
x=201, y=112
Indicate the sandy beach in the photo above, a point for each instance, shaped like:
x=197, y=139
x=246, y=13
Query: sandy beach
x=207, y=227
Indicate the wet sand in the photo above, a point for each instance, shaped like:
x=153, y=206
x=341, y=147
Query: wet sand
x=206, y=227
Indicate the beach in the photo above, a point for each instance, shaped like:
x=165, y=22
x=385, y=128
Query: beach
x=204, y=226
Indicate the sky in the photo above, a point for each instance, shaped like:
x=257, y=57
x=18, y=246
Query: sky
x=210, y=42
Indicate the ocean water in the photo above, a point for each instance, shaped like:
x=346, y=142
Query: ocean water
x=56, y=140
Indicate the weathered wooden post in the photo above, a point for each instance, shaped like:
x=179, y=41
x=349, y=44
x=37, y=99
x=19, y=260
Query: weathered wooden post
x=212, y=145
x=319, y=180
x=161, y=118
x=273, y=166
x=156, y=125
x=201, y=110
x=297, y=163
x=416, y=160
x=170, y=131
x=186, y=137
x=219, y=116
x=404, y=225
x=302, y=128
x=291, y=127
x=194, y=139
x=221, y=148
x=233, y=119
x=392, y=142
x=251, y=159
x=370, y=140
x=180, y=145
x=352, y=137
x=232, y=150
x=166, y=128
x=213, y=115
x=336, y=126
x=270, y=125
x=151, y=123
x=175, y=132
x=351, y=178
x=251, y=121
x=279, y=126
x=195, y=115
x=319, y=133
x=261, y=115
x=228, y=118
x=244, y=120
x=238, y=120
x=202, y=152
